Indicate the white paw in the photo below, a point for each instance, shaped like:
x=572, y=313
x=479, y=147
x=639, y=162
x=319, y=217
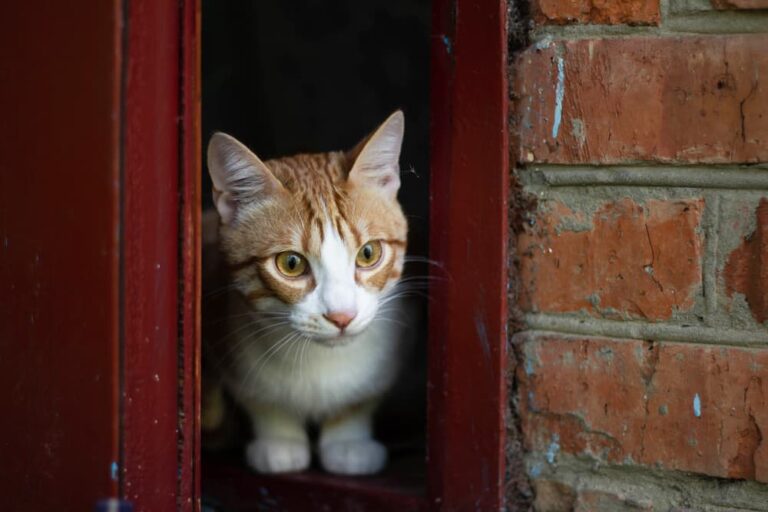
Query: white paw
x=278, y=455
x=360, y=457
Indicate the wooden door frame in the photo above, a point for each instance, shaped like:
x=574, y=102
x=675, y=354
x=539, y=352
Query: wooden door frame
x=160, y=255
x=469, y=235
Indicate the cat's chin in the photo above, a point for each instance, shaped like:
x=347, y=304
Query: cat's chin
x=334, y=340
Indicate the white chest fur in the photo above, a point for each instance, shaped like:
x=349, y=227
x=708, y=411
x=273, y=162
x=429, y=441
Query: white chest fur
x=314, y=380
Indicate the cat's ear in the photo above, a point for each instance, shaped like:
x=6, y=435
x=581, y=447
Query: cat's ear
x=377, y=157
x=238, y=176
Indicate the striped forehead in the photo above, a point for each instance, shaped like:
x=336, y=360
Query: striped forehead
x=316, y=182
x=326, y=224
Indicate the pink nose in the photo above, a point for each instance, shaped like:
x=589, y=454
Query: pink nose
x=340, y=319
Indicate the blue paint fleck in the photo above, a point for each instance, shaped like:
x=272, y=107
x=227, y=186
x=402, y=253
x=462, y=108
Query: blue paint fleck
x=536, y=470
x=544, y=43
x=531, y=401
x=113, y=470
x=447, y=43
x=697, y=405
x=529, y=367
x=554, y=448
x=559, y=95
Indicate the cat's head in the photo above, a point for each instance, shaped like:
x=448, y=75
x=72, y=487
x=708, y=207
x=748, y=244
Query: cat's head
x=314, y=240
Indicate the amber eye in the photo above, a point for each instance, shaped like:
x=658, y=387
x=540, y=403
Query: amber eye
x=291, y=264
x=369, y=254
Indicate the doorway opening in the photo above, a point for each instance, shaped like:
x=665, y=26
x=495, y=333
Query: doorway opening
x=305, y=77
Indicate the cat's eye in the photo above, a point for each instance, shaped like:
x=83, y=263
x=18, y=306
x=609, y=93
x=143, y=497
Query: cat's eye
x=291, y=264
x=369, y=254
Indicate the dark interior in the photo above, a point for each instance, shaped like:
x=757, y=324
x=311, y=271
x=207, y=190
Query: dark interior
x=311, y=76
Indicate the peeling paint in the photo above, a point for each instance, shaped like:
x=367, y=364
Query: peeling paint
x=697, y=405
x=531, y=401
x=554, y=448
x=544, y=43
x=559, y=94
x=529, y=370
x=447, y=43
x=578, y=132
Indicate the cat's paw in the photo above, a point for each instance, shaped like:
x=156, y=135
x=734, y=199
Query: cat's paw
x=278, y=455
x=358, y=457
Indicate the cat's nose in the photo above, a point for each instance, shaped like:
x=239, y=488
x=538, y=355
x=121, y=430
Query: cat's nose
x=340, y=319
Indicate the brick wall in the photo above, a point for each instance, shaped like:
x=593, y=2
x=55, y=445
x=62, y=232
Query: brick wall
x=642, y=375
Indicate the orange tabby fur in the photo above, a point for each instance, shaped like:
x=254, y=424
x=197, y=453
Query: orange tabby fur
x=324, y=207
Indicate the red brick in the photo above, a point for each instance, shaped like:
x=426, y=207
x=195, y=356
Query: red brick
x=611, y=12
x=746, y=270
x=635, y=260
x=686, y=99
x=670, y=405
x=740, y=4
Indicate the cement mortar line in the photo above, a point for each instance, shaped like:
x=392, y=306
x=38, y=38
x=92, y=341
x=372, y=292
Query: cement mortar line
x=647, y=176
x=633, y=329
x=666, y=488
x=675, y=25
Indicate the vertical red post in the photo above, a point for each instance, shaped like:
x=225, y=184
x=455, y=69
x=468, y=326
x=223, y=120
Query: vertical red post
x=190, y=255
x=160, y=271
x=469, y=196
x=59, y=253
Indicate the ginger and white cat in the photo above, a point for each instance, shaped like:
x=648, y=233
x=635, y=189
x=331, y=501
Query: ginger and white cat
x=315, y=245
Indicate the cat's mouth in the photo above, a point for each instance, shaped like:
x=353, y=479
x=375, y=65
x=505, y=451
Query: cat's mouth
x=338, y=338
x=334, y=340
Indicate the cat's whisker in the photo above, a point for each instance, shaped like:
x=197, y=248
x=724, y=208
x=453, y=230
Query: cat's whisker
x=297, y=362
x=391, y=320
x=421, y=259
x=268, y=354
x=247, y=326
x=401, y=293
x=307, y=341
x=296, y=349
x=390, y=309
x=219, y=291
x=245, y=341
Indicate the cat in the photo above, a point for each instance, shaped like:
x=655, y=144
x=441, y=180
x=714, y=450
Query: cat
x=315, y=245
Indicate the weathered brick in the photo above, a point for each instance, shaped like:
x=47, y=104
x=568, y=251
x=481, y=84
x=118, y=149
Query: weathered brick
x=670, y=405
x=625, y=260
x=740, y=4
x=631, y=12
x=746, y=269
x=682, y=99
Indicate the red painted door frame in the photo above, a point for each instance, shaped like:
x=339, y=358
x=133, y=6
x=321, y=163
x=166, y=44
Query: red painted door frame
x=99, y=254
x=160, y=255
x=59, y=253
x=99, y=220
x=469, y=236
